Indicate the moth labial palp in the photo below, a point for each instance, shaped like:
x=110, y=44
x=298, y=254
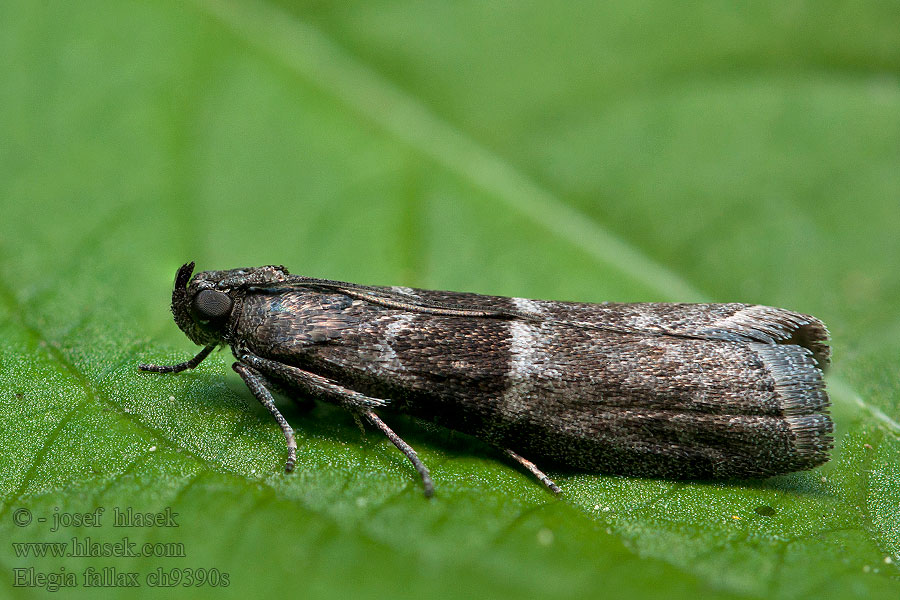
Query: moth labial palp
x=680, y=391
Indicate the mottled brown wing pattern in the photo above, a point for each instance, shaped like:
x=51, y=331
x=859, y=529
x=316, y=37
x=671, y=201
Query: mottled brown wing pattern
x=670, y=402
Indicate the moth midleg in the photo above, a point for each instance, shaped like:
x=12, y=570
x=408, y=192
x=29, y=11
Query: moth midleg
x=405, y=448
x=532, y=468
x=325, y=389
x=312, y=384
x=256, y=382
x=183, y=366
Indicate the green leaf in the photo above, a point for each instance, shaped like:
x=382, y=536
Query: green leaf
x=597, y=151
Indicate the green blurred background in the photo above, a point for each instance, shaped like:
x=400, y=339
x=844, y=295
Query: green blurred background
x=579, y=151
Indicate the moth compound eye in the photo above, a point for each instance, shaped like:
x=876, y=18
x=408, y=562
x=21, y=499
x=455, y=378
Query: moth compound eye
x=212, y=304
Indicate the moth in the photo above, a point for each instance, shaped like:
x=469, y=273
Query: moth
x=679, y=391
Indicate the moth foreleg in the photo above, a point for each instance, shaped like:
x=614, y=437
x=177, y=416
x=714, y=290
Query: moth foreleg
x=406, y=449
x=184, y=366
x=256, y=382
x=542, y=477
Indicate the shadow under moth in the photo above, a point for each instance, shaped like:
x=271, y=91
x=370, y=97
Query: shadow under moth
x=680, y=391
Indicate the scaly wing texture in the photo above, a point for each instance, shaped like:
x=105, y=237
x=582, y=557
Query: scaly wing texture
x=580, y=385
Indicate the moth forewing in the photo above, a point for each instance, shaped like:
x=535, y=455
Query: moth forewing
x=648, y=389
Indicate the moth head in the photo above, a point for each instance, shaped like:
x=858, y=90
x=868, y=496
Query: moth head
x=202, y=305
x=201, y=311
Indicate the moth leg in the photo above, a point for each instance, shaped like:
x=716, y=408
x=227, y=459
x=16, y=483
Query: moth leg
x=357, y=403
x=315, y=385
x=184, y=366
x=256, y=382
x=406, y=449
x=542, y=477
